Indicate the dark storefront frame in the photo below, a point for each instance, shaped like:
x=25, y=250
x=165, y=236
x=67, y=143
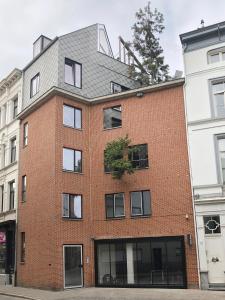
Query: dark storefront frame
x=124, y=241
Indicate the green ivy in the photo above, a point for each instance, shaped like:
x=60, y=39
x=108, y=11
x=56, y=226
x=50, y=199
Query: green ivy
x=117, y=157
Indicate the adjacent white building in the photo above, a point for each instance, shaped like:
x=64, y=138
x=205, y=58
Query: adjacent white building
x=204, y=62
x=10, y=106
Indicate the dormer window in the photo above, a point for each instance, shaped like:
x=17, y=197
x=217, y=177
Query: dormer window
x=118, y=88
x=216, y=55
x=40, y=44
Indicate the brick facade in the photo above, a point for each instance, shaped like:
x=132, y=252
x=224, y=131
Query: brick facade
x=157, y=119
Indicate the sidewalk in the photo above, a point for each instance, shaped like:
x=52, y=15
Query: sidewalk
x=111, y=294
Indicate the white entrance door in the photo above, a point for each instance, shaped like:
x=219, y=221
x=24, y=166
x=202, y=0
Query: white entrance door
x=216, y=259
x=73, y=267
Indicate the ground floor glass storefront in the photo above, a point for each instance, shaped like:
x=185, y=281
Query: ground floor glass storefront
x=141, y=262
x=7, y=251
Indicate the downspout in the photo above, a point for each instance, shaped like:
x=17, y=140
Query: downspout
x=191, y=177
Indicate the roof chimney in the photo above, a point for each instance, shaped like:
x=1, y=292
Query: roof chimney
x=40, y=44
x=202, y=23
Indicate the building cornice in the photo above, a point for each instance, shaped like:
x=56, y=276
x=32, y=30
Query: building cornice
x=214, y=200
x=10, y=80
x=194, y=34
x=55, y=91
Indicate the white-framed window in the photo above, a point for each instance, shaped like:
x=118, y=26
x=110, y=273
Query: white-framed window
x=221, y=148
x=218, y=97
x=114, y=204
x=212, y=224
x=15, y=108
x=72, y=206
x=216, y=55
x=12, y=188
x=13, y=150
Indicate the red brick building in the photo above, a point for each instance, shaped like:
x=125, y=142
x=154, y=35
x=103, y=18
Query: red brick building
x=79, y=227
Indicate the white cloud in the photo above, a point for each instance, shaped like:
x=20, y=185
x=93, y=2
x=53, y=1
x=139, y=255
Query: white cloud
x=22, y=21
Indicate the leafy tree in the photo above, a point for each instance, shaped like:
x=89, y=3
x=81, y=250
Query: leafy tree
x=146, y=31
x=117, y=157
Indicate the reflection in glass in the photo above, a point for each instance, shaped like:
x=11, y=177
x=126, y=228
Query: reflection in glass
x=73, y=266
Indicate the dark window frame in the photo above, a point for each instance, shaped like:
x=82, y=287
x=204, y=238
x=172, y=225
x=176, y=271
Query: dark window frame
x=74, y=153
x=70, y=217
x=13, y=150
x=12, y=195
x=81, y=119
x=115, y=217
x=37, y=85
x=23, y=247
x=113, y=83
x=142, y=159
x=111, y=107
x=73, y=63
x=24, y=188
x=25, y=134
x=150, y=205
x=113, y=284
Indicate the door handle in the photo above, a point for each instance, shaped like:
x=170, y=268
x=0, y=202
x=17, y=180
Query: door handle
x=80, y=266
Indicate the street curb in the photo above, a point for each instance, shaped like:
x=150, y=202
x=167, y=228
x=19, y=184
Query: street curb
x=19, y=296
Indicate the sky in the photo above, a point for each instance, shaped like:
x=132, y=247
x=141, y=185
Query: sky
x=23, y=21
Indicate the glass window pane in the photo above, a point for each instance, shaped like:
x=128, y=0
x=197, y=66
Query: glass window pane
x=104, y=45
x=214, y=58
x=78, y=118
x=143, y=150
x=37, y=83
x=33, y=87
x=78, y=75
x=68, y=159
x=219, y=103
x=146, y=203
x=142, y=262
x=78, y=162
x=112, y=117
x=65, y=205
x=73, y=266
x=68, y=115
x=119, y=205
x=75, y=206
x=218, y=87
x=118, y=263
x=109, y=202
x=139, y=157
x=136, y=203
x=103, y=253
x=212, y=224
x=221, y=144
x=174, y=262
x=69, y=77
